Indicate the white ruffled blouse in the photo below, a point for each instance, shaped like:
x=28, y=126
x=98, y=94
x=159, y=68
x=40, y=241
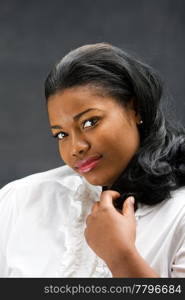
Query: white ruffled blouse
x=42, y=221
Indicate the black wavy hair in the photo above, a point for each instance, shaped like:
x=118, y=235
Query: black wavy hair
x=158, y=167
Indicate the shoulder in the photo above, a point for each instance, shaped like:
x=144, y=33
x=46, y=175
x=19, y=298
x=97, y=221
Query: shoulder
x=41, y=204
x=62, y=176
x=43, y=193
x=177, y=208
x=37, y=188
x=44, y=186
x=176, y=203
x=174, y=207
x=169, y=212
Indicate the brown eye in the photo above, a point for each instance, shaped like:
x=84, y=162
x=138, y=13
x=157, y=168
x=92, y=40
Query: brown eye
x=90, y=122
x=60, y=135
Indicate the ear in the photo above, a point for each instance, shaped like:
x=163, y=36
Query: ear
x=133, y=107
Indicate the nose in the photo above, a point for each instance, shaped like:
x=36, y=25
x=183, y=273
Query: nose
x=79, y=146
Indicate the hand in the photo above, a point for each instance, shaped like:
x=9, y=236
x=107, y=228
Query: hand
x=111, y=233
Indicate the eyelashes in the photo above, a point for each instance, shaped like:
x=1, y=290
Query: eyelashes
x=57, y=135
x=94, y=120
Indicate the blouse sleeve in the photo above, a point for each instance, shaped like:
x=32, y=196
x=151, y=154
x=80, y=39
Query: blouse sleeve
x=178, y=265
x=7, y=221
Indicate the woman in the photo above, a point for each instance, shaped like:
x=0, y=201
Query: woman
x=104, y=108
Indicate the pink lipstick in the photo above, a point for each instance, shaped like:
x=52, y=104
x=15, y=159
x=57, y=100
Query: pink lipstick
x=88, y=166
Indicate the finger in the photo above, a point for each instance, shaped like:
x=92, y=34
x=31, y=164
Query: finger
x=107, y=197
x=87, y=221
x=95, y=207
x=128, y=206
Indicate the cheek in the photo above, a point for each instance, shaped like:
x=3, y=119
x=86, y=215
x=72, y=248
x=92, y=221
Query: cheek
x=120, y=143
x=63, y=152
x=117, y=145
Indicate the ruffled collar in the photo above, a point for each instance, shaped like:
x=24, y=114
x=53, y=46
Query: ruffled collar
x=79, y=260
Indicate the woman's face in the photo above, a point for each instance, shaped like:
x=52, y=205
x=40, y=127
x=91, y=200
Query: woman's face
x=89, y=124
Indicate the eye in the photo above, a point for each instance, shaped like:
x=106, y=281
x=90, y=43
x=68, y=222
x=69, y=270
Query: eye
x=87, y=123
x=90, y=122
x=59, y=135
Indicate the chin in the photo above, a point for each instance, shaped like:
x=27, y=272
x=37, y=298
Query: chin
x=95, y=180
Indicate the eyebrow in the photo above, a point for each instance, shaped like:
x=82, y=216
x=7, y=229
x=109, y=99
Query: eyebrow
x=75, y=117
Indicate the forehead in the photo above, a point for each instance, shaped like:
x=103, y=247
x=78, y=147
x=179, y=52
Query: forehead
x=72, y=100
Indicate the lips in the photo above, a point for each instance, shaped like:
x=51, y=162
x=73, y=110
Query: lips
x=87, y=163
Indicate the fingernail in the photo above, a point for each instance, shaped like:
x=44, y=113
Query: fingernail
x=132, y=200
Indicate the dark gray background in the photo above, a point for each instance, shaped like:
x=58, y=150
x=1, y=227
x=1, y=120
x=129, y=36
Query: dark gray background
x=36, y=34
